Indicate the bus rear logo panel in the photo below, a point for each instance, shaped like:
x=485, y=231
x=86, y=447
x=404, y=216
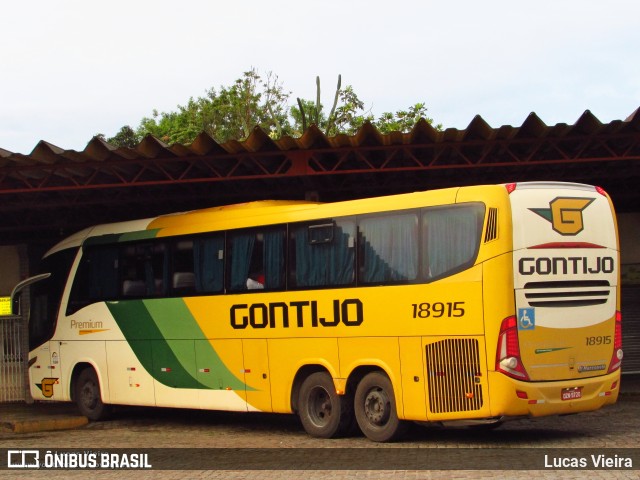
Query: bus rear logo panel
x=565, y=214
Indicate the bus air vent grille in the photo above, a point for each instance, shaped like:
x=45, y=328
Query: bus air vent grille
x=582, y=293
x=453, y=369
x=492, y=225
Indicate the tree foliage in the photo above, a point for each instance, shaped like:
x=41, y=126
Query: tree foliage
x=232, y=112
x=126, y=137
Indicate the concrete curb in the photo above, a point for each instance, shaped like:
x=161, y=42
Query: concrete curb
x=42, y=425
x=40, y=417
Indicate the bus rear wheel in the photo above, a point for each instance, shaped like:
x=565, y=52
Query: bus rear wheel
x=88, y=398
x=322, y=411
x=375, y=409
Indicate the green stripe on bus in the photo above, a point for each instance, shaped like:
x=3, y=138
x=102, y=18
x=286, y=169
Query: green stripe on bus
x=138, y=326
x=113, y=238
x=175, y=321
x=140, y=235
x=176, y=341
x=108, y=239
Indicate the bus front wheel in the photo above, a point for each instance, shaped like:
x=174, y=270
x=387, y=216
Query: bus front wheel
x=322, y=411
x=88, y=398
x=375, y=409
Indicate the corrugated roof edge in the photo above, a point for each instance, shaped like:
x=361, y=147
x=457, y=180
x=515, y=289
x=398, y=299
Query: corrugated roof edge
x=313, y=138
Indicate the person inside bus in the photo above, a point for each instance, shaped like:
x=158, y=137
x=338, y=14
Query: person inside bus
x=255, y=281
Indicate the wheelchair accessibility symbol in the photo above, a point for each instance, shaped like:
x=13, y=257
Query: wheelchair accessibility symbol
x=526, y=318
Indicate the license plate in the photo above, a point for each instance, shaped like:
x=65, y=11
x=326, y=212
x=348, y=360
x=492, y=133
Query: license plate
x=571, y=393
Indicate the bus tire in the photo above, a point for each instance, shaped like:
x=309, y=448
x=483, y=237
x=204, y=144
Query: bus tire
x=322, y=411
x=375, y=409
x=88, y=397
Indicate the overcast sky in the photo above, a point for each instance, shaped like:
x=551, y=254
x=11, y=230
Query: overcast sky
x=74, y=68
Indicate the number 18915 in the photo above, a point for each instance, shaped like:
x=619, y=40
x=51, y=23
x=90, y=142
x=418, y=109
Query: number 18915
x=438, y=309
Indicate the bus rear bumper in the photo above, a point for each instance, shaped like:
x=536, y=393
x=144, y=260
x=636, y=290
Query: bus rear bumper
x=510, y=397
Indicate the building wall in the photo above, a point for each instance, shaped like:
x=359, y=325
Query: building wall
x=629, y=227
x=9, y=269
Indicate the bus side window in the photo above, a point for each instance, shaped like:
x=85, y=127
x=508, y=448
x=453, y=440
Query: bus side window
x=96, y=278
x=132, y=272
x=144, y=268
x=389, y=248
x=450, y=238
x=208, y=264
x=257, y=257
x=322, y=254
x=183, y=280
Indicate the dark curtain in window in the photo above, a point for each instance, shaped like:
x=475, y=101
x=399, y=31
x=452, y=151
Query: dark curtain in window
x=241, y=250
x=390, y=248
x=208, y=264
x=273, y=254
x=324, y=264
x=452, y=236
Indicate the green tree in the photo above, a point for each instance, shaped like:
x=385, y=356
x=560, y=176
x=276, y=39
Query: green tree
x=126, y=137
x=346, y=119
x=181, y=126
x=343, y=117
x=232, y=112
x=347, y=114
x=403, y=120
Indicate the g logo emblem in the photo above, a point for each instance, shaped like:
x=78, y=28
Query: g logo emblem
x=47, y=386
x=565, y=214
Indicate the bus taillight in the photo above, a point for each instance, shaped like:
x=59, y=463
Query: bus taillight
x=616, y=358
x=601, y=191
x=508, y=359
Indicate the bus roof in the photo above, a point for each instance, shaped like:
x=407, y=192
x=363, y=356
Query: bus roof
x=266, y=212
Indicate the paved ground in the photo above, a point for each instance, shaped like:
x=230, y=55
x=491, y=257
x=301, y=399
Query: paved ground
x=237, y=441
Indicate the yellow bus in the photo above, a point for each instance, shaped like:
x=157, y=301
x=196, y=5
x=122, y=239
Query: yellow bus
x=474, y=304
